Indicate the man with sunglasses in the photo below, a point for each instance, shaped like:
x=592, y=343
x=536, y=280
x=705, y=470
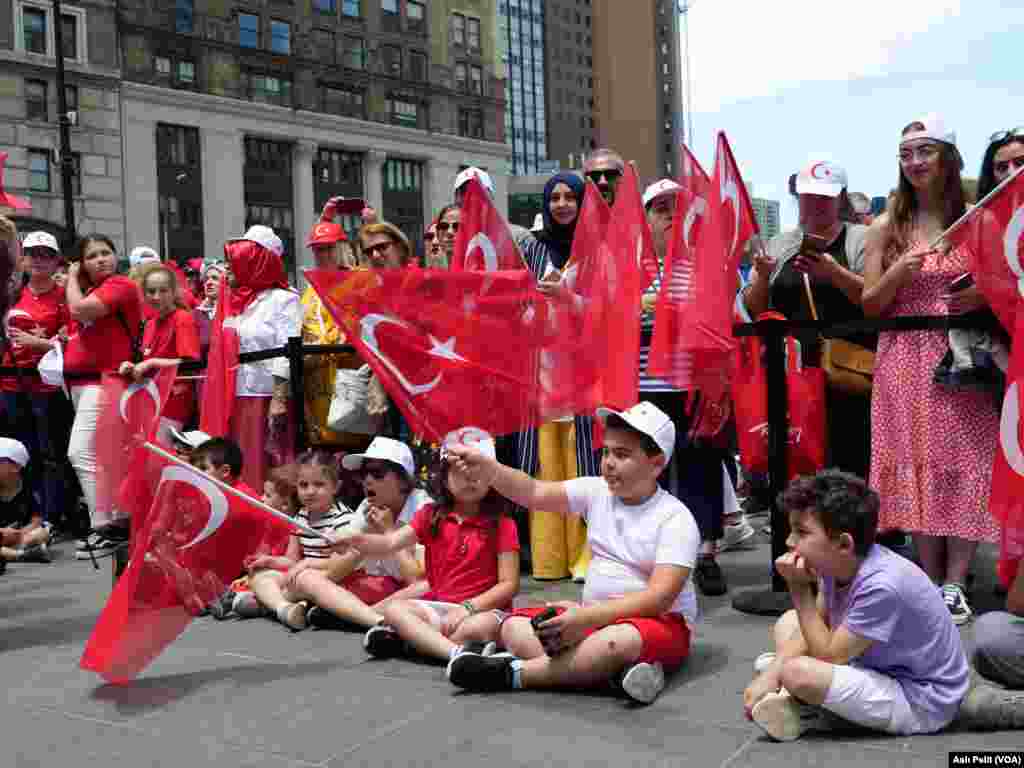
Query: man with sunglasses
x=604, y=167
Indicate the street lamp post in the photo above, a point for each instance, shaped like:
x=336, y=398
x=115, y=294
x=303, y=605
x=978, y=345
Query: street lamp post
x=67, y=163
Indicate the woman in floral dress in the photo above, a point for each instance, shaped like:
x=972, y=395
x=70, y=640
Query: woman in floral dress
x=932, y=447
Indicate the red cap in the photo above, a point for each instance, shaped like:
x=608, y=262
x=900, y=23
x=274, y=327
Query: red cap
x=326, y=233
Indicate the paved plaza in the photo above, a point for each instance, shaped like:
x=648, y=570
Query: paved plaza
x=249, y=693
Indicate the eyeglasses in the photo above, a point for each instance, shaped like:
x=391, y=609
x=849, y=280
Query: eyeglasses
x=444, y=226
x=1013, y=133
x=428, y=237
x=377, y=473
x=924, y=152
x=611, y=174
x=369, y=250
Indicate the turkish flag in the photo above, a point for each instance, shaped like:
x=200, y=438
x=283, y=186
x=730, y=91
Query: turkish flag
x=452, y=348
x=483, y=241
x=6, y=198
x=629, y=230
x=221, y=370
x=191, y=546
x=670, y=358
x=993, y=234
x=129, y=414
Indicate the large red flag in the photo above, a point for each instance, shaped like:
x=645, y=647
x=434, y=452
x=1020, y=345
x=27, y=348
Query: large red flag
x=6, y=198
x=190, y=548
x=993, y=234
x=221, y=370
x=129, y=414
x=483, y=241
x=452, y=348
x=670, y=359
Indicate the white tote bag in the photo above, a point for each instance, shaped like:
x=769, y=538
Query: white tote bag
x=51, y=366
x=348, y=406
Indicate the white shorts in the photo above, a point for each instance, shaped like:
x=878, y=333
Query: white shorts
x=437, y=611
x=873, y=700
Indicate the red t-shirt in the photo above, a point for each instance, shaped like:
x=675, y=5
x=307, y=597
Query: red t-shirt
x=104, y=344
x=44, y=315
x=171, y=337
x=462, y=560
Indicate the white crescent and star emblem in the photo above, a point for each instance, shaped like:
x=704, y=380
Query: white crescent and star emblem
x=826, y=171
x=1011, y=245
x=730, y=191
x=444, y=350
x=490, y=254
x=1009, y=430
x=697, y=208
x=148, y=386
x=213, y=494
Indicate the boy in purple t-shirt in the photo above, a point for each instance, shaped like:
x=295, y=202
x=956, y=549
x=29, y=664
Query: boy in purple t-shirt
x=877, y=646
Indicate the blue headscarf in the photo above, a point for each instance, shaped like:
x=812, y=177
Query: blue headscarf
x=559, y=236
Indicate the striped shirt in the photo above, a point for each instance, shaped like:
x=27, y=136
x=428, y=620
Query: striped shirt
x=649, y=383
x=337, y=519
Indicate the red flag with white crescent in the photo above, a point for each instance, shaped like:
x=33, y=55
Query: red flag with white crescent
x=191, y=546
x=483, y=242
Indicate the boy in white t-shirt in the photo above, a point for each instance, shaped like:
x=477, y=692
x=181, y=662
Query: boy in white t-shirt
x=639, y=606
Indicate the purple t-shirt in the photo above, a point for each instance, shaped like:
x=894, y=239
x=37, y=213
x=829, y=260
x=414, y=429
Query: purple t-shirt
x=893, y=602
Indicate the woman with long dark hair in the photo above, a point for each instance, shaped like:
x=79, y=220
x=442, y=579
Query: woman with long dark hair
x=931, y=447
x=1003, y=157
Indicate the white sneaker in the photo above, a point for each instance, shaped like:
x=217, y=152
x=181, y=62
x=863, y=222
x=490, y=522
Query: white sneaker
x=643, y=682
x=737, y=535
x=784, y=718
x=762, y=662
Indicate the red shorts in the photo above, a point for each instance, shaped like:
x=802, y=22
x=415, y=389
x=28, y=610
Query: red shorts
x=370, y=589
x=665, y=638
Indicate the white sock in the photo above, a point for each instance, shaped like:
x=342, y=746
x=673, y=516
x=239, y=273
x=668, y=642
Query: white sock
x=455, y=651
x=517, y=673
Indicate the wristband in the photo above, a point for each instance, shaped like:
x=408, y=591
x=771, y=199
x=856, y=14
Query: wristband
x=469, y=607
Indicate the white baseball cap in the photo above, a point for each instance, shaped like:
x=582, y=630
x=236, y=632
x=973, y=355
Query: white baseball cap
x=472, y=436
x=13, y=450
x=475, y=173
x=821, y=177
x=192, y=439
x=659, y=189
x=934, y=128
x=262, y=235
x=141, y=253
x=649, y=420
x=383, y=449
x=40, y=239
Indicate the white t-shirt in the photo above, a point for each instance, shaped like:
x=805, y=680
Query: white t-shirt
x=388, y=566
x=628, y=541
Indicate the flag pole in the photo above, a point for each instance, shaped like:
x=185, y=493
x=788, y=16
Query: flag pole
x=967, y=214
x=235, y=492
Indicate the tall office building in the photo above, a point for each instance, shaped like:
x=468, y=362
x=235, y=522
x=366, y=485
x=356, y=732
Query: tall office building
x=767, y=214
x=521, y=27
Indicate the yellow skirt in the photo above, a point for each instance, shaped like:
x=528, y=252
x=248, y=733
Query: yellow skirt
x=558, y=542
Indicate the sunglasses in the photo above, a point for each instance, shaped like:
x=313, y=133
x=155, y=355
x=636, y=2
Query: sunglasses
x=444, y=226
x=428, y=238
x=377, y=473
x=611, y=174
x=1013, y=133
x=369, y=250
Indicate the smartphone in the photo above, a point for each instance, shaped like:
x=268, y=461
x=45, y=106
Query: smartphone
x=965, y=280
x=344, y=205
x=813, y=244
x=540, y=618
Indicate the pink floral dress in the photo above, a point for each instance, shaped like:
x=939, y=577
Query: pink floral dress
x=931, y=448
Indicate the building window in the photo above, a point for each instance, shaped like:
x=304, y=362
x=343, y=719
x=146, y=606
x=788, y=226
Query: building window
x=177, y=145
x=391, y=60
x=325, y=6
x=460, y=77
x=69, y=36
x=415, y=14
x=476, y=81
x=403, y=111
x=39, y=170
x=350, y=8
x=337, y=167
x=471, y=123
x=323, y=43
x=183, y=17
x=344, y=101
x=458, y=29
x=280, y=37
x=186, y=72
x=248, y=30
x=70, y=98
x=389, y=7
x=473, y=37
x=33, y=22
x=270, y=89
x=355, y=53
x=418, y=66
x=162, y=65
x=36, y=106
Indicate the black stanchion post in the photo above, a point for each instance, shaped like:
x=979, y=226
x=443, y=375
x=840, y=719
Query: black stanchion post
x=774, y=601
x=293, y=349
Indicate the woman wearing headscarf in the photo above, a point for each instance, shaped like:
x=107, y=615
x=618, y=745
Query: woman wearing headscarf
x=561, y=449
x=257, y=311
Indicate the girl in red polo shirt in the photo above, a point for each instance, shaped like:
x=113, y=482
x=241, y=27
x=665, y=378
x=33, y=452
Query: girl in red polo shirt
x=472, y=562
x=169, y=338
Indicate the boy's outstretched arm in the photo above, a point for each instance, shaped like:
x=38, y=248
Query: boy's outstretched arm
x=516, y=486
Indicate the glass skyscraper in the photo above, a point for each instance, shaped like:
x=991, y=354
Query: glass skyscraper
x=521, y=25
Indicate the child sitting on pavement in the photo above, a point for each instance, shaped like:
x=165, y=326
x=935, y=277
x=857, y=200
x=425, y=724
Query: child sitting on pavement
x=639, y=606
x=23, y=535
x=877, y=647
x=353, y=590
x=472, y=561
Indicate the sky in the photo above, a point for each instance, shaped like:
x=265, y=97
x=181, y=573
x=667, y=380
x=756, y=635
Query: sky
x=791, y=79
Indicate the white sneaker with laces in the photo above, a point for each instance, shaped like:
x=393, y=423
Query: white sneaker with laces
x=956, y=602
x=737, y=535
x=784, y=718
x=643, y=682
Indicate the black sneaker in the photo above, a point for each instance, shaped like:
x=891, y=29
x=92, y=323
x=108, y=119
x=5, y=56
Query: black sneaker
x=222, y=606
x=116, y=530
x=383, y=642
x=36, y=553
x=956, y=602
x=987, y=708
x=96, y=547
x=708, y=577
x=321, y=618
x=481, y=673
